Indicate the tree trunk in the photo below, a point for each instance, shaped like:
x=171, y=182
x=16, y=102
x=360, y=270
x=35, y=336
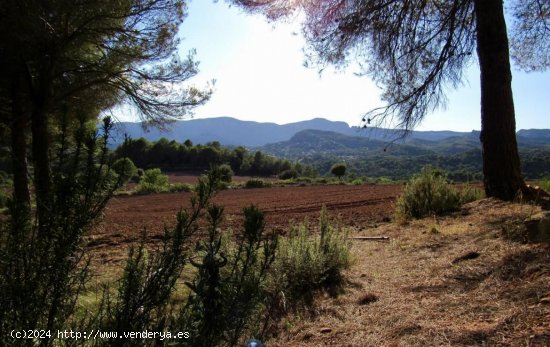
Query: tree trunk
x=21, y=193
x=501, y=163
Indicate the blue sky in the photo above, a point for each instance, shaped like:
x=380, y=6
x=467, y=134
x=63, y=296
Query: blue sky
x=260, y=76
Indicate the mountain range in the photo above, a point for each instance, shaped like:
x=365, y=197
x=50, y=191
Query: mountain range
x=233, y=132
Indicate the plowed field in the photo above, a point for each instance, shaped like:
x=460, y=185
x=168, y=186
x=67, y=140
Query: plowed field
x=126, y=216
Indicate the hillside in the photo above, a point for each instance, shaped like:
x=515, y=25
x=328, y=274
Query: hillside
x=460, y=155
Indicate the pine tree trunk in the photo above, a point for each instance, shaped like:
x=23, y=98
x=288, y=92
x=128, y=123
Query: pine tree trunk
x=501, y=163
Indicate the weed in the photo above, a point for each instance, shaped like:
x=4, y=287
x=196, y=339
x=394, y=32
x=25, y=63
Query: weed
x=470, y=193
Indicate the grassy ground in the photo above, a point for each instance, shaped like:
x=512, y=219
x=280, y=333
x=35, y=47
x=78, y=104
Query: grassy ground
x=454, y=281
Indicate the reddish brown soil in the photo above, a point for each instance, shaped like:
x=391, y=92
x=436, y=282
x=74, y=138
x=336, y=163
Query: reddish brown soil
x=355, y=205
x=127, y=216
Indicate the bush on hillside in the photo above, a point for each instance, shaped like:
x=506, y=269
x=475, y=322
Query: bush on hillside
x=428, y=193
x=257, y=183
x=288, y=174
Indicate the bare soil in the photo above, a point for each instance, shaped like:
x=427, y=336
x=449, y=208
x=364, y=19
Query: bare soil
x=127, y=216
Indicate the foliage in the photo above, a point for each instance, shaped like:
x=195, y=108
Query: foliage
x=125, y=168
x=230, y=283
x=427, y=194
x=257, y=183
x=226, y=293
x=226, y=173
x=180, y=187
x=153, y=181
x=338, y=170
x=42, y=267
x=304, y=265
x=149, y=279
x=170, y=155
x=288, y=174
x=155, y=177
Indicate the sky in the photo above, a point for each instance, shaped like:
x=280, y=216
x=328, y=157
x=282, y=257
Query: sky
x=260, y=76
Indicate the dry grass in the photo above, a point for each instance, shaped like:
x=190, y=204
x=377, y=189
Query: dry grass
x=427, y=287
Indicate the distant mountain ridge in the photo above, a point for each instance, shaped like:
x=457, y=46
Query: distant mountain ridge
x=228, y=131
x=234, y=132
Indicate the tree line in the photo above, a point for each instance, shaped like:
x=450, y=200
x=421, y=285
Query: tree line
x=463, y=167
x=172, y=156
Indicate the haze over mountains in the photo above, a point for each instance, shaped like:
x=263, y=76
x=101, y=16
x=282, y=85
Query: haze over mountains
x=234, y=132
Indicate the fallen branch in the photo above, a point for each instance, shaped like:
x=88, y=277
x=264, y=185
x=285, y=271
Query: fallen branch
x=370, y=238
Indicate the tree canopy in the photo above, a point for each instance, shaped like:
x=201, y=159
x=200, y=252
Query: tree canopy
x=62, y=60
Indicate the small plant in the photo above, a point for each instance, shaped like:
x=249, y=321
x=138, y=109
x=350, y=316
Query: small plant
x=152, y=181
x=226, y=173
x=357, y=182
x=428, y=193
x=305, y=264
x=257, y=183
x=180, y=187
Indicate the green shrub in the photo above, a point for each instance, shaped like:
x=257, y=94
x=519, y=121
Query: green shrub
x=180, y=187
x=155, y=177
x=148, y=188
x=288, y=174
x=257, y=183
x=357, y=182
x=153, y=181
x=469, y=194
x=226, y=173
x=125, y=169
x=139, y=175
x=426, y=194
x=544, y=183
x=305, y=264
